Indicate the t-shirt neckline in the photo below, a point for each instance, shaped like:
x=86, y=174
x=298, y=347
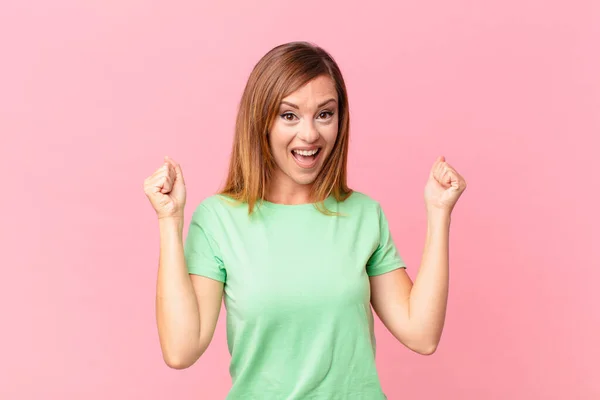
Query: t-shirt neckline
x=270, y=204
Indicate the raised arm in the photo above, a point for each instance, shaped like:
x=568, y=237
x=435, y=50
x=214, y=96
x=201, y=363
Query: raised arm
x=415, y=314
x=187, y=306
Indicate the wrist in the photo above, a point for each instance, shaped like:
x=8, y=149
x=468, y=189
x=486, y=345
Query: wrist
x=438, y=215
x=171, y=222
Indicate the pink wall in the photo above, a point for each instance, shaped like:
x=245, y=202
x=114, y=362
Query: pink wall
x=94, y=93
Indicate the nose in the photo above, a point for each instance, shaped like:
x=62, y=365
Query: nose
x=308, y=132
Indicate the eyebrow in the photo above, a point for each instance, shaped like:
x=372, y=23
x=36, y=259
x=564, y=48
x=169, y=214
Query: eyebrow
x=319, y=106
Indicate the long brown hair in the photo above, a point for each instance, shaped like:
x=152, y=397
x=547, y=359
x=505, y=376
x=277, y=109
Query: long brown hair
x=280, y=72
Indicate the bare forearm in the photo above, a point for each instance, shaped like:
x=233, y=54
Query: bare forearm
x=429, y=294
x=177, y=312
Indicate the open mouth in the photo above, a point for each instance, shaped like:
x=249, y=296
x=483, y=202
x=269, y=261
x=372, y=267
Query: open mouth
x=306, y=158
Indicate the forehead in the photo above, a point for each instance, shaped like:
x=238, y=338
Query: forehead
x=315, y=91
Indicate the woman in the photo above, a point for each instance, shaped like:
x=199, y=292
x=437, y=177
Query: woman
x=298, y=256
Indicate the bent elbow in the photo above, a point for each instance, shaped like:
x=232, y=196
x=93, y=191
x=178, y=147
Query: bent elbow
x=177, y=362
x=426, y=349
x=180, y=360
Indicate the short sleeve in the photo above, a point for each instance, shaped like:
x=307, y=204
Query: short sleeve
x=202, y=253
x=386, y=257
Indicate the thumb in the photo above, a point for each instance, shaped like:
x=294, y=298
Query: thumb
x=435, y=166
x=178, y=171
x=179, y=174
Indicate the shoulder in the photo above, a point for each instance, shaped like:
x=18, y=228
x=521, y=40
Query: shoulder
x=365, y=208
x=216, y=204
x=214, y=208
x=361, y=201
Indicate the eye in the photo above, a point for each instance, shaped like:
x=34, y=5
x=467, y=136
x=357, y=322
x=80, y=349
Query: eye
x=325, y=115
x=288, y=116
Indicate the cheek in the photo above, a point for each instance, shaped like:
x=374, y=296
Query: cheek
x=279, y=140
x=330, y=133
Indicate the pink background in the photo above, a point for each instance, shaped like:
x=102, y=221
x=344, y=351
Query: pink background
x=93, y=94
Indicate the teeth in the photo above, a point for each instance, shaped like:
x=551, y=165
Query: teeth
x=306, y=152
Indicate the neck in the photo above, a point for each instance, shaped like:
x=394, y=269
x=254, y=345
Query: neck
x=288, y=193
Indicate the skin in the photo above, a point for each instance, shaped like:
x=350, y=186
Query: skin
x=188, y=306
x=307, y=119
x=181, y=298
x=415, y=313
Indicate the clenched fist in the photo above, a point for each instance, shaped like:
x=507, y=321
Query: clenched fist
x=444, y=187
x=165, y=189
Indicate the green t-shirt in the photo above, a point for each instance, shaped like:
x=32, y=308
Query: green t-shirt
x=297, y=294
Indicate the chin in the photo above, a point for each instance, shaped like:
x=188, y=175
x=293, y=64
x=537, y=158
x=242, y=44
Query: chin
x=304, y=180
